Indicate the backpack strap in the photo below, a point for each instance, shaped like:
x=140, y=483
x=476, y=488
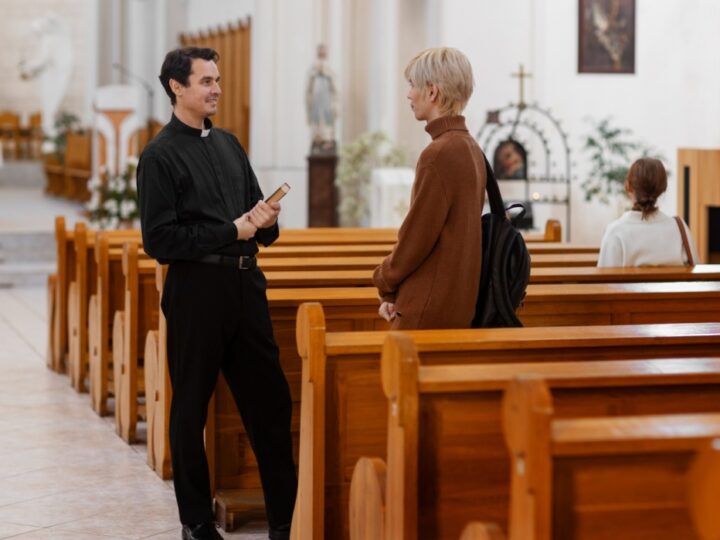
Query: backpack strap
x=686, y=244
x=497, y=206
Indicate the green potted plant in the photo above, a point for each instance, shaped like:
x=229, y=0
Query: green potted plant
x=357, y=159
x=612, y=150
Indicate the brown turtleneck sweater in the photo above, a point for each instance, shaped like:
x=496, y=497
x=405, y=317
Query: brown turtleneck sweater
x=433, y=273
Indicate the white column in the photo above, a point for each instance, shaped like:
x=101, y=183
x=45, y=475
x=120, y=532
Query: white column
x=284, y=37
x=92, y=57
x=383, y=73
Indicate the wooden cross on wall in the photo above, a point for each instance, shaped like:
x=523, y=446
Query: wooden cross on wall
x=522, y=75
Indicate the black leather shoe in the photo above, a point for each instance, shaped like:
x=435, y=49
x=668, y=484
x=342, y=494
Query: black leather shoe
x=203, y=531
x=280, y=533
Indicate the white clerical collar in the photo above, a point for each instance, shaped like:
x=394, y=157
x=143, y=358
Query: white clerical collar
x=205, y=132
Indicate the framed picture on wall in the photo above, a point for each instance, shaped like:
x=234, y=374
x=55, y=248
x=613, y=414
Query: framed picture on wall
x=606, y=37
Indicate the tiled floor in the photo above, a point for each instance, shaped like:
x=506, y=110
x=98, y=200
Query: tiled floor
x=63, y=471
x=64, y=474
x=28, y=209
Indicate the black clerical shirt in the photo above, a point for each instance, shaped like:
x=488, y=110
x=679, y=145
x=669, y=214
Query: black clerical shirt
x=192, y=185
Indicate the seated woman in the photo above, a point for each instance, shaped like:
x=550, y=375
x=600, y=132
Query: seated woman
x=645, y=236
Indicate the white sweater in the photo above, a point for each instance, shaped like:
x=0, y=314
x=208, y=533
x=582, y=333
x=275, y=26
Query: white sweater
x=655, y=241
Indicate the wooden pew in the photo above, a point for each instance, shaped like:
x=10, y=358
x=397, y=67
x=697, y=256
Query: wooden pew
x=343, y=406
x=108, y=298
x=158, y=390
x=368, y=235
x=446, y=457
x=584, y=478
x=382, y=250
x=79, y=292
x=552, y=233
x=130, y=327
x=58, y=286
x=316, y=236
x=295, y=264
x=581, y=274
x=356, y=309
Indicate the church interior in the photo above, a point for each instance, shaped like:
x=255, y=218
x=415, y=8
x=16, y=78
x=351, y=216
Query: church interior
x=599, y=418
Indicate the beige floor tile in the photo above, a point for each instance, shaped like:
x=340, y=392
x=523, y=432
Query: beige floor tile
x=64, y=473
x=131, y=520
x=53, y=533
x=10, y=529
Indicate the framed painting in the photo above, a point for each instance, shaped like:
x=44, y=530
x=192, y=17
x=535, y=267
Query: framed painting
x=606, y=37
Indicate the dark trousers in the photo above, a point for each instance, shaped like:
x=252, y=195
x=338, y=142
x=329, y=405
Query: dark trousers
x=218, y=320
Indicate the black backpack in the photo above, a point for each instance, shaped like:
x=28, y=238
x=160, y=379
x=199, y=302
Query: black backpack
x=505, y=271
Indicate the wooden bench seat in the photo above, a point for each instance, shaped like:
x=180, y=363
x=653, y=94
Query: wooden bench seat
x=343, y=406
x=446, y=462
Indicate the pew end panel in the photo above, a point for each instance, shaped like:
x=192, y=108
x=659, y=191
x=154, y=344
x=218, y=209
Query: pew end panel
x=52, y=314
x=65, y=274
x=526, y=415
x=367, y=499
x=704, y=491
x=310, y=338
x=399, y=368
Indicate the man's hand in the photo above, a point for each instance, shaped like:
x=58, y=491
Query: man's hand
x=387, y=311
x=245, y=228
x=264, y=215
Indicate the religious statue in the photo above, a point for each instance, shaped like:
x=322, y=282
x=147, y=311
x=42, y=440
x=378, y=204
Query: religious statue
x=321, y=104
x=51, y=65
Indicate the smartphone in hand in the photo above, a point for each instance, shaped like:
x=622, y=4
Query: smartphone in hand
x=278, y=194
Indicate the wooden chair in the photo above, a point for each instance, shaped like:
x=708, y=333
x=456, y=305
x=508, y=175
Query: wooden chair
x=77, y=166
x=9, y=134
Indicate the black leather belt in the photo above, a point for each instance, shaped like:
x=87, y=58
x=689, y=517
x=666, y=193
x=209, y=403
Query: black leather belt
x=245, y=262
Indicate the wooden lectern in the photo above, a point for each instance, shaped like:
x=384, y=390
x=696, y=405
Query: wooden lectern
x=699, y=199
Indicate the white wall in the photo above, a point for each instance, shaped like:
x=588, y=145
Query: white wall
x=672, y=100
x=203, y=14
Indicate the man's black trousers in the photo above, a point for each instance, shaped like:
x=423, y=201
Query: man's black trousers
x=218, y=320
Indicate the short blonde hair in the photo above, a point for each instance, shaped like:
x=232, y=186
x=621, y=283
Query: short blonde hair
x=449, y=70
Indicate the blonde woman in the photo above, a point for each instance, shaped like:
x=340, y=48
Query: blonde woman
x=432, y=276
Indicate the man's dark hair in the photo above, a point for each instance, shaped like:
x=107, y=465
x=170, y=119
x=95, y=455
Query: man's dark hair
x=178, y=65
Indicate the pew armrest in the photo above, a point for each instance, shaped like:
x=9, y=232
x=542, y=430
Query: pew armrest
x=482, y=531
x=367, y=500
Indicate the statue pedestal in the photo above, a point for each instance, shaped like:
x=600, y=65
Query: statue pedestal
x=322, y=193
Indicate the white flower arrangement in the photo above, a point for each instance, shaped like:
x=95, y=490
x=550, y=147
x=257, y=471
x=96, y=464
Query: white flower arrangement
x=113, y=202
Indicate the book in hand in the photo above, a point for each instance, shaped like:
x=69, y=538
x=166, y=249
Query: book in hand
x=278, y=194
